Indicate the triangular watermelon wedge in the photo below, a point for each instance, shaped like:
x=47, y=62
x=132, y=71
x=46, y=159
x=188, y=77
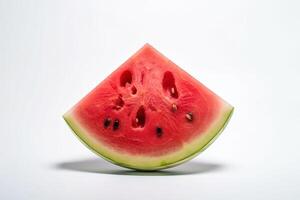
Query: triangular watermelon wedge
x=149, y=114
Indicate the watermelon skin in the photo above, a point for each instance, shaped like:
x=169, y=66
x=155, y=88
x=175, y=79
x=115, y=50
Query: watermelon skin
x=138, y=148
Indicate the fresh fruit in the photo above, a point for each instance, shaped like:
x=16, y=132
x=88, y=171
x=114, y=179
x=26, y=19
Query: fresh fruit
x=149, y=114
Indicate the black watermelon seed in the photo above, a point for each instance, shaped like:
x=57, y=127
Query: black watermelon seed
x=116, y=124
x=106, y=122
x=189, y=116
x=174, y=107
x=159, y=131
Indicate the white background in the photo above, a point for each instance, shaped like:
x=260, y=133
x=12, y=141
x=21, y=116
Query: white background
x=53, y=52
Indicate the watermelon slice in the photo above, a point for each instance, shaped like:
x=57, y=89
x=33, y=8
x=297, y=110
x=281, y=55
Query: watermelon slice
x=149, y=114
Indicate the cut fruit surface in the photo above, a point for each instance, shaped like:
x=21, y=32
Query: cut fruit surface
x=149, y=114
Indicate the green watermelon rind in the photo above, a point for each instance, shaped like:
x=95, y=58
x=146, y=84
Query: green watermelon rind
x=143, y=163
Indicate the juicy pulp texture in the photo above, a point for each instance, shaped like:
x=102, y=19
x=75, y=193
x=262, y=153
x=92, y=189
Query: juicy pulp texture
x=149, y=114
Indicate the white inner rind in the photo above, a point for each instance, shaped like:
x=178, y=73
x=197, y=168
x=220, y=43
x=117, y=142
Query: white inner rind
x=144, y=162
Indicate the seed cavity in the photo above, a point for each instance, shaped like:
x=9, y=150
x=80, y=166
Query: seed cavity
x=168, y=84
x=140, y=118
x=106, y=122
x=174, y=107
x=189, y=116
x=119, y=103
x=116, y=124
x=133, y=90
x=159, y=131
x=142, y=77
x=126, y=78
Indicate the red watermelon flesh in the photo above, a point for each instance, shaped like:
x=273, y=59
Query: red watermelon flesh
x=149, y=114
